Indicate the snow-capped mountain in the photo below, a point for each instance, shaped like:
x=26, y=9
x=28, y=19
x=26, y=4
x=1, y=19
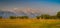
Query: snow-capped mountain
x=20, y=12
x=6, y=14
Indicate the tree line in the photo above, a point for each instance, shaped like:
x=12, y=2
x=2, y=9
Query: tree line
x=18, y=17
x=47, y=16
x=43, y=16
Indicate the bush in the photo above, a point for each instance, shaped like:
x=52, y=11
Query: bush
x=0, y=17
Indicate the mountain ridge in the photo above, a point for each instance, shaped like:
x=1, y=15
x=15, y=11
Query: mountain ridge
x=25, y=12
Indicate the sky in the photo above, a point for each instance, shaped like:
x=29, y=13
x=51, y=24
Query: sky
x=45, y=6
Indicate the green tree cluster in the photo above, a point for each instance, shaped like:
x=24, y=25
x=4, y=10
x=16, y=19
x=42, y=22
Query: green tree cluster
x=18, y=17
x=58, y=14
x=46, y=16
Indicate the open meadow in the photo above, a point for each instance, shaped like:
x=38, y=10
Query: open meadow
x=29, y=23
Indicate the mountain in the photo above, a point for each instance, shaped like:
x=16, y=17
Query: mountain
x=6, y=14
x=28, y=12
x=20, y=12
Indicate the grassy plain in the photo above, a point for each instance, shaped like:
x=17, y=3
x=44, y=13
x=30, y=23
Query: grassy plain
x=29, y=23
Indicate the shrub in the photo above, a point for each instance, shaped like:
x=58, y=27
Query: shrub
x=0, y=17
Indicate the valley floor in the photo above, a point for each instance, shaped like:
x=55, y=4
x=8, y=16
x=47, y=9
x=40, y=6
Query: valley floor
x=29, y=23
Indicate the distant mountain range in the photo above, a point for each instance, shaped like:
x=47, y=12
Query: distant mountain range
x=25, y=12
x=6, y=14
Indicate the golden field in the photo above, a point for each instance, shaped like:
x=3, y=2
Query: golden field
x=29, y=23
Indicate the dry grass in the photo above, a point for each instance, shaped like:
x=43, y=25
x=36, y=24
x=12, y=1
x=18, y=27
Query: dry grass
x=29, y=23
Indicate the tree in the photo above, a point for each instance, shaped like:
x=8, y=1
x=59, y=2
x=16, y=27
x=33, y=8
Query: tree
x=38, y=17
x=45, y=16
x=22, y=17
x=12, y=17
x=26, y=17
x=58, y=14
x=53, y=17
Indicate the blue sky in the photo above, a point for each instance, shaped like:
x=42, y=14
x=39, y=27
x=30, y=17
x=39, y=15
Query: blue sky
x=46, y=6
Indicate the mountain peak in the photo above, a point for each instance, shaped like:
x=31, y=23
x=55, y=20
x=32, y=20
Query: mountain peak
x=20, y=12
